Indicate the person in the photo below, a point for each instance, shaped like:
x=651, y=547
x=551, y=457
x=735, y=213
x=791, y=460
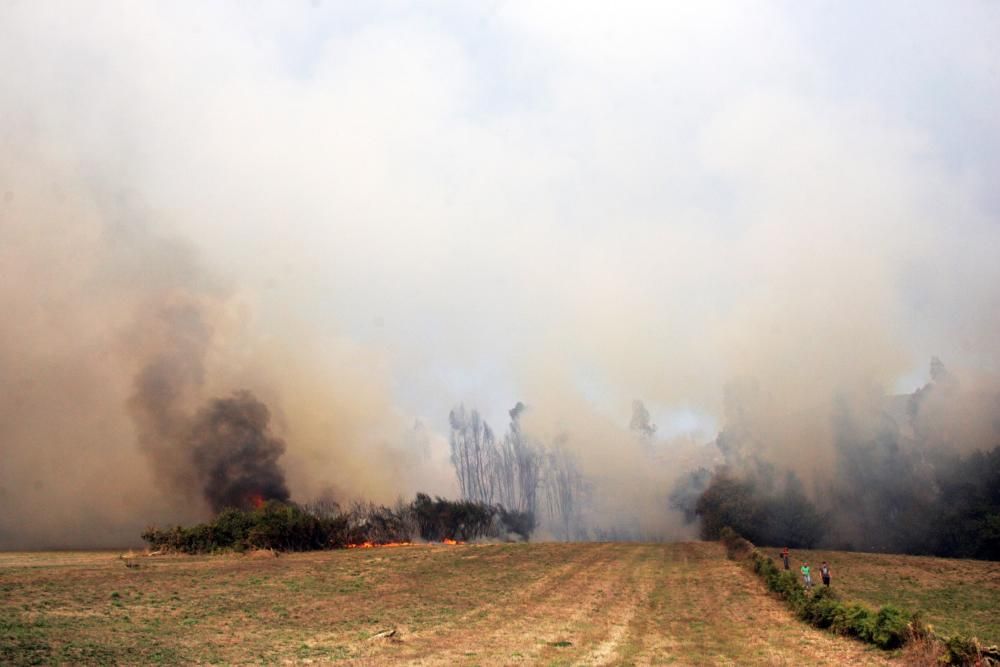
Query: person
x=784, y=557
x=806, y=576
x=824, y=571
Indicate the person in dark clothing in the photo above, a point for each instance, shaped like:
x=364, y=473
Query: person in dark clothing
x=784, y=557
x=824, y=570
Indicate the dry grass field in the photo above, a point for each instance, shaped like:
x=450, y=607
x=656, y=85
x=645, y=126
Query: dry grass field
x=491, y=604
x=956, y=596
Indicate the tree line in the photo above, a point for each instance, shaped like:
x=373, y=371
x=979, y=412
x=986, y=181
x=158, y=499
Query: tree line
x=517, y=472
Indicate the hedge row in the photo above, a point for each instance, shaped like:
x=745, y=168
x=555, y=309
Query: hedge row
x=275, y=525
x=887, y=628
x=285, y=526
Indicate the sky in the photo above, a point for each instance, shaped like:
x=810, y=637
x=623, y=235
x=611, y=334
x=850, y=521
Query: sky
x=390, y=208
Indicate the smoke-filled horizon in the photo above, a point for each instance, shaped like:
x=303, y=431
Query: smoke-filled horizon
x=322, y=226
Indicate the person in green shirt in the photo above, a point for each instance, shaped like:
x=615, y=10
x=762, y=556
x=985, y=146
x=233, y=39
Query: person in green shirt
x=806, y=576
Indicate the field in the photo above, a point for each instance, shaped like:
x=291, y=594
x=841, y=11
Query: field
x=466, y=604
x=956, y=596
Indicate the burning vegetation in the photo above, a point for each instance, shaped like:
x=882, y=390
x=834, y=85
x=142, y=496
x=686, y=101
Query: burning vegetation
x=899, y=483
x=286, y=526
x=230, y=443
x=224, y=452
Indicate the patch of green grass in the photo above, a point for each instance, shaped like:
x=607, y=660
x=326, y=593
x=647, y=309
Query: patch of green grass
x=23, y=642
x=955, y=596
x=322, y=651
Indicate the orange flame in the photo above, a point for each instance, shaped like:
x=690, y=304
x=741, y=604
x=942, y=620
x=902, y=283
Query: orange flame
x=256, y=500
x=373, y=545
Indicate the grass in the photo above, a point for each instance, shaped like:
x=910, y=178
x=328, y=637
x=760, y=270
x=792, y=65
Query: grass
x=492, y=604
x=955, y=596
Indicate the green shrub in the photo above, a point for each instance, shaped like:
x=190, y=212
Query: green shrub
x=782, y=582
x=274, y=525
x=892, y=628
x=854, y=620
x=788, y=586
x=960, y=650
x=287, y=526
x=820, y=609
x=887, y=628
x=232, y=526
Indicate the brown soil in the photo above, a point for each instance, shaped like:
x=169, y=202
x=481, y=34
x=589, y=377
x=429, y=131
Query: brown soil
x=489, y=605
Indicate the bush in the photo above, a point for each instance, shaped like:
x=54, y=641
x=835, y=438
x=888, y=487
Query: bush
x=737, y=548
x=287, y=526
x=854, y=620
x=754, y=508
x=463, y=520
x=887, y=628
x=820, y=609
x=521, y=524
x=961, y=651
x=892, y=628
x=368, y=523
x=275, y=525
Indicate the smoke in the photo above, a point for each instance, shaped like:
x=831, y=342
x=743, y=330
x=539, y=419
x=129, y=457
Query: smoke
x=172, y=375
x=236, y=456
x=225, y=450
x=117, y=341
x=912, y=473
x=750, y=221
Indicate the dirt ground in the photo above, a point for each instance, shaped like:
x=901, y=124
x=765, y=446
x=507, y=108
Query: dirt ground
x=553, y=604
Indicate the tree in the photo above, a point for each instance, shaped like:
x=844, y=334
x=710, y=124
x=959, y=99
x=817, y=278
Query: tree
x=641, y=423
x=565, y=489
x=473, y=453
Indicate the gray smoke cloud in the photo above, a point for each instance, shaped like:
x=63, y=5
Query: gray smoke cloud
x=225, y=450
x=910, y=473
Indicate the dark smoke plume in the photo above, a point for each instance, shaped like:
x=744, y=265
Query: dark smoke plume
x=234, y=453
x=225, y=453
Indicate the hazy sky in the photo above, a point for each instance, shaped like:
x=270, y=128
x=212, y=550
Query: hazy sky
x=570, y=204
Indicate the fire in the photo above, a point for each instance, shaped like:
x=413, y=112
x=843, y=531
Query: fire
x=372, y=545
x=256, y=500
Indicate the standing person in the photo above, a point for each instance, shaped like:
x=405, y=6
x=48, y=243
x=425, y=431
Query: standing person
x=806, y=576
x=824, y=571
x=784, y=557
